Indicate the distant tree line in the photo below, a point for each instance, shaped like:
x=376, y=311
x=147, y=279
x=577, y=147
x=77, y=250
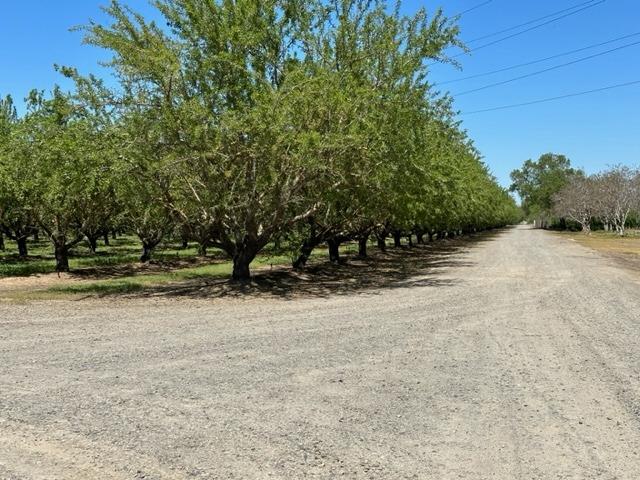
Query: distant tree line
x=245, y=123
x=555, y=195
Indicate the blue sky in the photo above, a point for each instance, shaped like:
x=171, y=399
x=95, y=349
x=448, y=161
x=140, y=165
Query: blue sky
x=593, y=130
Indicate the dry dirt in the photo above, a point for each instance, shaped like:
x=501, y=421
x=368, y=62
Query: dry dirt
x=517, y=357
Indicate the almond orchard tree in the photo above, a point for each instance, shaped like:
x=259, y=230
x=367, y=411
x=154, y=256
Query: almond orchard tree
x=16, y=185
x=68, y=156
x=226, y=86
x=245, y=122
x=214, y=86
x=379, y=57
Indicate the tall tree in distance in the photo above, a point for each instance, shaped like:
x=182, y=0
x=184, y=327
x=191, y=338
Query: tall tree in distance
x=536, y=182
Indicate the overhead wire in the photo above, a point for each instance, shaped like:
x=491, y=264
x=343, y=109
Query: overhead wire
x=544, y=17
x=471, y=9
x=550, y=99
x=513, y=35
x=540, y=72
x=570, y=10
x=541, y=60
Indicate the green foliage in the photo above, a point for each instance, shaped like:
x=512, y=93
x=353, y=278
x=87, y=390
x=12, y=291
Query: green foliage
x=248, y=121
x=537, y=182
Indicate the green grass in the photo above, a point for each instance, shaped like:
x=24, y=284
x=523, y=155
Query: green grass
x=125, y=250
x=172, y=265
x=122, y=251
x=137, y=283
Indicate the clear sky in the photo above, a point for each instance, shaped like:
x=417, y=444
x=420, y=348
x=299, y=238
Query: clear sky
x=594, y=130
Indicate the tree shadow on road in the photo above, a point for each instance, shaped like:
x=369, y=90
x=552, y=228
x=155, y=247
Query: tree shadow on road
x=417, y=266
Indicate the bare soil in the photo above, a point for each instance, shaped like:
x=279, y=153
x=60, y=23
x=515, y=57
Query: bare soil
x=513, y=357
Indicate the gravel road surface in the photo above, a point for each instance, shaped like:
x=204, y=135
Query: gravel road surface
x=517, y=358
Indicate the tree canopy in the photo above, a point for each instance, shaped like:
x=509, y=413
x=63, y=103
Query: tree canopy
x=536, y=182
x=242, y=123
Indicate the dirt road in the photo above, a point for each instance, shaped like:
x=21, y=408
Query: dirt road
x=518, y=358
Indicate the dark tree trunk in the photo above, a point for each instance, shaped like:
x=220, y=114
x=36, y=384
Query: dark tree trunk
x=22, y=246
x=36, y=235
x=382, y=242
x=93, y=244
x=410, y=240
x=202, y=236
x=149, y=243
x=147, y=249
x=397, y=235
x=2, y=247
x=305, y=252
x=241, y=262
x=62, y=257
x=105, y=238
x=442, y=235
x=362, y=246
x=334, y=250
x=185, y=243
x=431, y=236
x=420, y=237
x=114, y=235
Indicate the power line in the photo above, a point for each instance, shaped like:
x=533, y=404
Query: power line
x=468, y=10
x=550, y=99
x=530, y=22
x=541, y=60
x=539, y=72
x=485, y=45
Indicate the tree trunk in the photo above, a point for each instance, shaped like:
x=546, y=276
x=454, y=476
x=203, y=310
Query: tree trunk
x=241, y=261
x=147, y=249
x=2, y=247
x=305, y=252
x=396, y=239
x=382, y=242
x=202, y=249
x=431, y=234
x=114, y=235
x=93, y=244
x=62, y=257
x=36, y=235
x=420, y=237
x=362, y=246
x=334, y=250
x=105, y=239
x=410, y=240
x=22, y=246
